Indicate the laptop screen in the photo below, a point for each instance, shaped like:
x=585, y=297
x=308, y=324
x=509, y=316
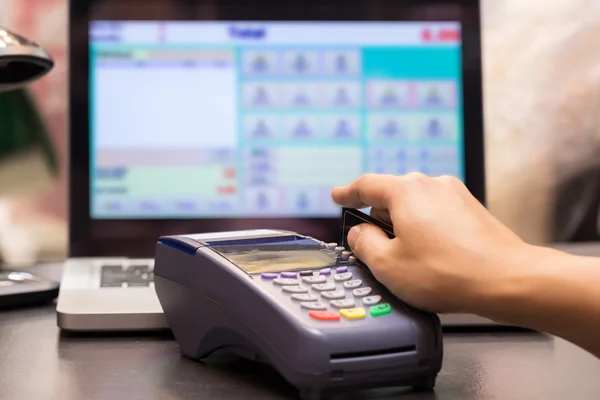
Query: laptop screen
x=261, y=119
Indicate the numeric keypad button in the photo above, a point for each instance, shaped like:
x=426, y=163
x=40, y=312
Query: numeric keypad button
x=345, y=303
x=361, y=292
x=352, y=284
x=286, y=281
x=343, y=276
x=371, y=300
x=314, y=305
x=304, y=297
x=333, y=295
x=315, y=279
x=295, y=289
x=324, y=287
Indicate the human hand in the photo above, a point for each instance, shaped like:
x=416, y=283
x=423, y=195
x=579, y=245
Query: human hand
x=449, y=251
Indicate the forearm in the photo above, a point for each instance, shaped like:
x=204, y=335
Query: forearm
x=551, y=291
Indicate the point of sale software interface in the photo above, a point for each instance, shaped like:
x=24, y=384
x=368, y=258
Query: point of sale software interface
x=226, y=119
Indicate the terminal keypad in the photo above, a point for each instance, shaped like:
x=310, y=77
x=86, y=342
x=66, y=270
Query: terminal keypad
x=331, y=293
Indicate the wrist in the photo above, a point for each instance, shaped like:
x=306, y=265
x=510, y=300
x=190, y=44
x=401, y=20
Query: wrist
x=508, y=291
x=546, y=290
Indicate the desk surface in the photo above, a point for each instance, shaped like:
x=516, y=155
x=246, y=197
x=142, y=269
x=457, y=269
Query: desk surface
x=38, y=363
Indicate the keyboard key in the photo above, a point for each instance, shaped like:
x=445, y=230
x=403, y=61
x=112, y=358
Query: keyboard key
x=138, y=284
x=365, y=291
x=368, y=301
x=353, y=313
x=114, y=275
x=333, y=295
x=324, y=287
x=314, y=305
x=268, y=275
x=286, y=281
x=352, y=284
x=111, y=284
x=138, y=269
x=295, y=289
x=343, y=277
x=381, y=309
x=341, y=270
x=304, y=297
x=346, y=303
x=315, y=279
x=324, y=315
x=113, y=267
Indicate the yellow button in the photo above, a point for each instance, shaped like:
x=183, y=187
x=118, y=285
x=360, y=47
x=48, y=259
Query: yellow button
x=353, y=313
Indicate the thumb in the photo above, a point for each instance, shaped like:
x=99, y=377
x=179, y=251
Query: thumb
x=368, y=243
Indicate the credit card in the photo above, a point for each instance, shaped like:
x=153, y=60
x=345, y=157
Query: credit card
x=352, y=217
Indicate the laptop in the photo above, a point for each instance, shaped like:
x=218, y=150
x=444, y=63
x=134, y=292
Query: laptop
x=204, y=116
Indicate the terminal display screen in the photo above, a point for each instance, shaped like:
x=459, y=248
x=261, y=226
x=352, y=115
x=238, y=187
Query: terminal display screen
x=281, y=260
x=277, y=257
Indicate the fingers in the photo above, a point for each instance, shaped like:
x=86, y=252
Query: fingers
x=381, y=215
x=369, y=190
x=370, y=244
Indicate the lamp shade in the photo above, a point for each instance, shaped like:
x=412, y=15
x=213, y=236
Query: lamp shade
x=21, y=61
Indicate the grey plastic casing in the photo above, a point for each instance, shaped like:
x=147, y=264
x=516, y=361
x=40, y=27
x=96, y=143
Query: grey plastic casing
x=211, y=304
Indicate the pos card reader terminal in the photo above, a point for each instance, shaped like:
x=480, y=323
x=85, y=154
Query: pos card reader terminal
x=309, y=309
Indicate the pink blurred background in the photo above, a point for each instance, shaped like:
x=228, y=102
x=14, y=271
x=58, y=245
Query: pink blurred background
x=44, y=21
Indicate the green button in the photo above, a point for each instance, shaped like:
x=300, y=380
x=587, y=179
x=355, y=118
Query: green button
x=380, y=309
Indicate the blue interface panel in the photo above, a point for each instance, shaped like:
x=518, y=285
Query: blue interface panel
x=226, y=119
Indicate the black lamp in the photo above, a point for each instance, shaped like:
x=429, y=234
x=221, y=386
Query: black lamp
x=21, y=62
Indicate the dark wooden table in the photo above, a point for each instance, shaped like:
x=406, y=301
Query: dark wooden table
x=38, y=363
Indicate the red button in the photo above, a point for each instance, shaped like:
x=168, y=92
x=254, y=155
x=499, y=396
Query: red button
x=451, y=35
x=325, y=315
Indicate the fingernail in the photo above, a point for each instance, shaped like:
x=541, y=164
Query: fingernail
x=353, y=235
